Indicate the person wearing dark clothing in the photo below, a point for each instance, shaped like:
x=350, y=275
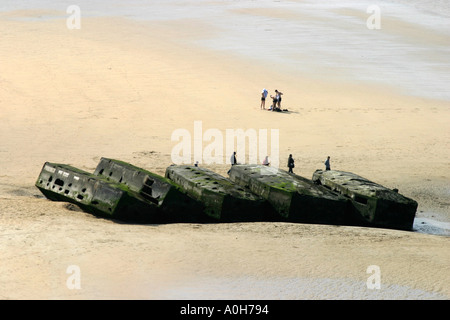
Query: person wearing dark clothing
x=278, y=96
x=232, y=160
x=290, y=163
x=263, y=98
x=327, y=164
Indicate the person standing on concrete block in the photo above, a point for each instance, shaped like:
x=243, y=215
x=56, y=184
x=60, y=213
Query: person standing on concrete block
x=232, y=160
x=266, y=161
x=327, y=164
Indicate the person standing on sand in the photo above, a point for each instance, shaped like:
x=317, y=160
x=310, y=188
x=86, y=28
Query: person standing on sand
x=290, y=163
x=278, y=95
x=263, y=98
x=327, y=164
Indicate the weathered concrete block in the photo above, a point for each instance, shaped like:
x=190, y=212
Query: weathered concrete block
x=223, y=200
x=294, y=198
x=376, y=204
x=175, y=204
x=59, y=182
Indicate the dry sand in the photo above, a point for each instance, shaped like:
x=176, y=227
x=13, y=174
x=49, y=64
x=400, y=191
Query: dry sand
x=116, y=89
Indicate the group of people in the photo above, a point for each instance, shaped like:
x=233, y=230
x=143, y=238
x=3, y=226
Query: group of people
x=290, y=164
x=276, y=100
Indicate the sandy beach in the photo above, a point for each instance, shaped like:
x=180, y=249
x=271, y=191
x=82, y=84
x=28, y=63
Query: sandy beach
x=119, y=87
